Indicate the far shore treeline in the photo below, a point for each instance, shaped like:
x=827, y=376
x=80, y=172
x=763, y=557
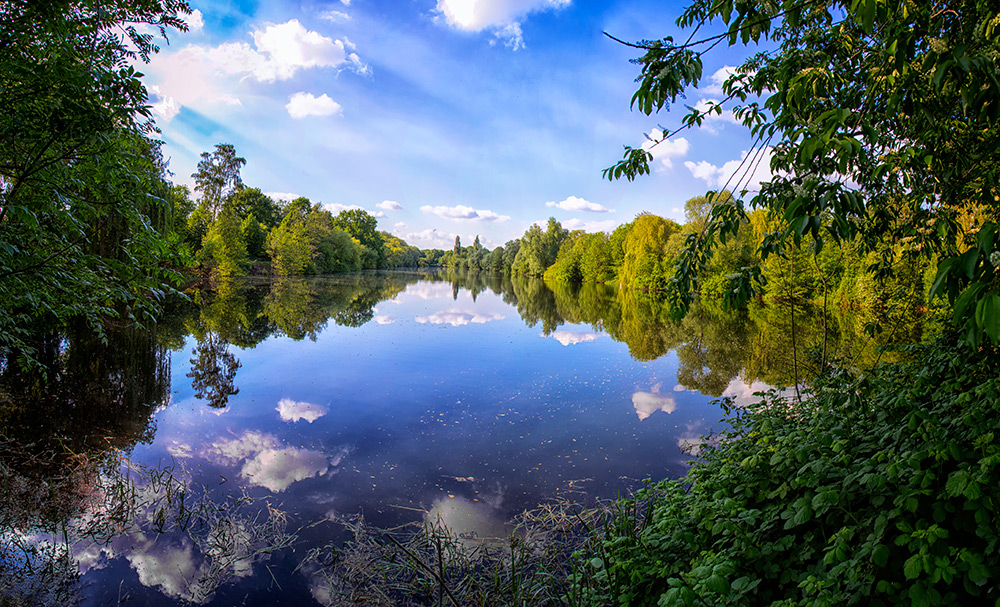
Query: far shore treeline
x=235, y=230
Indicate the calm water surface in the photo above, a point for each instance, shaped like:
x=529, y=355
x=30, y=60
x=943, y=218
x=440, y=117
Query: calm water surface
x=377, y=395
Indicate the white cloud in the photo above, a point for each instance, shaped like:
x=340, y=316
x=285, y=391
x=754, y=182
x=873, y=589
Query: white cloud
x=588, y=226
x=207, y=76
x=335, y=16
x=384, y=320
x=579, y=204
x=390, y=205
x=336, y=207
x=712, y=120
x=281, y=195
x=476, y=15
x=457, y=318
x=163, y=106
x=195, y=21
x=717, y=79
x=293, y=411
x=747, y=172
x=648, y=403
x=463, y=213
x=570, y=338
x=430, y=239
x=511, y=35
x=665, y=150
x=306, y=104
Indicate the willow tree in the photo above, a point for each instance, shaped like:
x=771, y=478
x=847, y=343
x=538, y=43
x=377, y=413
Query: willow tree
x=882, y=123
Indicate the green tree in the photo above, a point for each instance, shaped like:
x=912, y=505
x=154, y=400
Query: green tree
x=252, y=201
x=218, y=177
x=645, y=265
x=883, y=123
x=224, y=251
x=363, y=227
x=82, y=188
x=538, y=249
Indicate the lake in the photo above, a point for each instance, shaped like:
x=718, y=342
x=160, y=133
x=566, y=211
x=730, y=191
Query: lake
x=201, y=461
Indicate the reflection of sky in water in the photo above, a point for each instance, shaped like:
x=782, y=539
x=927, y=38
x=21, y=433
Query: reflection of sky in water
x=452, y=402
x=571, y=338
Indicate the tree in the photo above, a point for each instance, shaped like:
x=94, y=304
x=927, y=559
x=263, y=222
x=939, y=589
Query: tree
x=363, y=227
x=457, y=249
x=882, y=124
x=82, y=189
x=218, y=177
x=252, y=201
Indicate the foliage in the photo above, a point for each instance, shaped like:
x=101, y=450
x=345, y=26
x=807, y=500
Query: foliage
x=218, y=177
x=363, y=227
x=876, y=490
x=882, y=120
x=645, y=266
x=82, y=194
x=538, y=249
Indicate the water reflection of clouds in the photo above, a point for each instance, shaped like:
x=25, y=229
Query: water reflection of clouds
x=384, y=320
x=648, y=403
x=474, y=521
x=570, y=338
x=293, y=411
x=458, y=318
x=427, y=291
x=268, y=464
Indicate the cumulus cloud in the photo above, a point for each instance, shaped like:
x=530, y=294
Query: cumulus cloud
x=648, y=403
x=430, y=239
x=282, y=195
x=570, y=338
x=306, y=104
x=463, y=213
x=747, y=172
x=203, y=76
x=162, y=105
x=574, y=203
x=717, y=79
x=336, y=207
x=588, y=226
x=293, y=411
x=390, y=205
x=502, y=17
x=712, y=120
x=195, y=21
x=477, y=15
x=384, y=319
x=458, y=318
x=665, y=150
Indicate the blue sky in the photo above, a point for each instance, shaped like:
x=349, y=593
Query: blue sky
x=442, y=117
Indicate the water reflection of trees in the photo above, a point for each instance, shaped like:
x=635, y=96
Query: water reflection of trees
x=712, y=347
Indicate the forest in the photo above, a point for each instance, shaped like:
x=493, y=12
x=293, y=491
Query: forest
x=877, y=485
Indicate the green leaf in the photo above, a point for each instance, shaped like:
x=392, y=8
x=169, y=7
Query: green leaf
x=988, y=316
x=913, y=567
x=880, y=555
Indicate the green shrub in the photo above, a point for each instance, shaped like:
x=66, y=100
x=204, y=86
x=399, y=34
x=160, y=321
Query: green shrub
x=882, y=489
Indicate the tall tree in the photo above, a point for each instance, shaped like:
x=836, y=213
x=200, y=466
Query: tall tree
x=218, y=177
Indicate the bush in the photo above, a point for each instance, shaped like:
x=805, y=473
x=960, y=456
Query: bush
x=876, y=490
